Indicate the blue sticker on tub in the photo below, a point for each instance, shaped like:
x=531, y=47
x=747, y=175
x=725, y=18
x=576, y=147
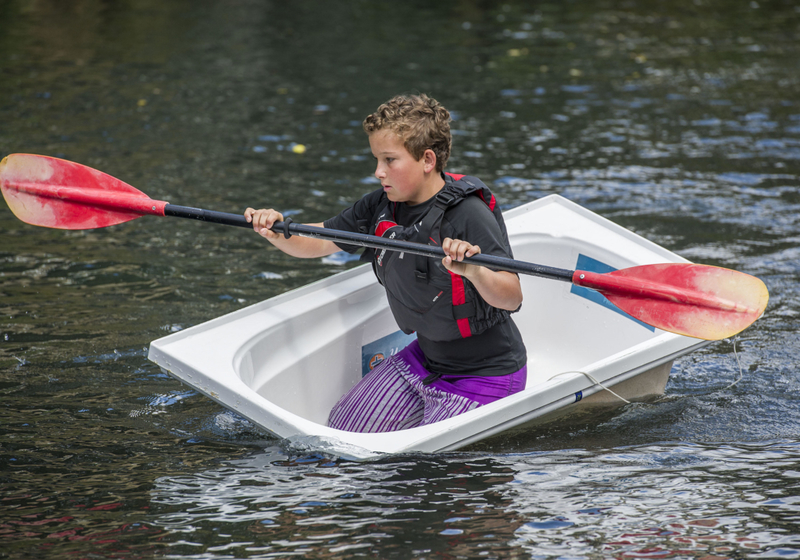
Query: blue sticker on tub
x=374, y=353
x=593, y=265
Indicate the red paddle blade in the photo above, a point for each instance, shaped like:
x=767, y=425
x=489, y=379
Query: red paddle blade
x=56, y=193
x=695, y=300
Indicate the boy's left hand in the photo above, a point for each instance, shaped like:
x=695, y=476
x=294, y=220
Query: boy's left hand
x=455, y=251
x=498, y=288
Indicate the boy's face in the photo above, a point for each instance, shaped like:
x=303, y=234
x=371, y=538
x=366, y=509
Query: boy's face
x=402, y=176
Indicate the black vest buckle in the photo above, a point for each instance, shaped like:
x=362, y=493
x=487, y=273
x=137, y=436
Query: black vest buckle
x=445, y=198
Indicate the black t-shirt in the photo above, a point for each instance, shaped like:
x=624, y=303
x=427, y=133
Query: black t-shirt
x=498, y=350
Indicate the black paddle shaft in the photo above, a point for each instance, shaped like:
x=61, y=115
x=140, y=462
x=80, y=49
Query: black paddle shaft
x=371, y=241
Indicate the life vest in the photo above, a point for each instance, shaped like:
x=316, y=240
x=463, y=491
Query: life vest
x=424, y=296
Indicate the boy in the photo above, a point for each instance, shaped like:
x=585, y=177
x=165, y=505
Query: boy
x=468, y=350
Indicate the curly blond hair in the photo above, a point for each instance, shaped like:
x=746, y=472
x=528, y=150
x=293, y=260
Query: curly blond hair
x=421, y=122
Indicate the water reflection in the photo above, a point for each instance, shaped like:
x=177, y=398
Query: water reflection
x=650, y=501
x=406, y=504
x=662, y=501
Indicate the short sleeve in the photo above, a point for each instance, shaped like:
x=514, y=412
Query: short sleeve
x=359, y=213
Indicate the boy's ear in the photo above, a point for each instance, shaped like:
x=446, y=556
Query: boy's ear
x=429, y=157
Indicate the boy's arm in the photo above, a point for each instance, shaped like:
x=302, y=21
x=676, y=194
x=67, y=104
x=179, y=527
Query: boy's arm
x=498, y=288
x=296, y=246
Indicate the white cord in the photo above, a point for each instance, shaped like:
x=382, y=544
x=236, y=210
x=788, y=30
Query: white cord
x=626, y=401
x=738, y=363
x=595, y=381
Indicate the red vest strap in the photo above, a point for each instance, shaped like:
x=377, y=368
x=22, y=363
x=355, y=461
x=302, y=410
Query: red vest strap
x=460, y=298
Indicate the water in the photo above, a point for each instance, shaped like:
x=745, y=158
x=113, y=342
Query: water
x=679, y=121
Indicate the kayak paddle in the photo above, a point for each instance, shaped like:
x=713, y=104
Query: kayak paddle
x=695, y=300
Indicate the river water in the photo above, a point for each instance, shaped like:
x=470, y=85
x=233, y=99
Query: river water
x=677, y=120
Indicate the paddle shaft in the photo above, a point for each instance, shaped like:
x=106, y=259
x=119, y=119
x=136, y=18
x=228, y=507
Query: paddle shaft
x=371, y=241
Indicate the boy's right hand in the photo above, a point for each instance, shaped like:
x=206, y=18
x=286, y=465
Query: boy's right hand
x=262, y=221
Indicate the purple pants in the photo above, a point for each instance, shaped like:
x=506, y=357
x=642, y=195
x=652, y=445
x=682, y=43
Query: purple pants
x=392, y=396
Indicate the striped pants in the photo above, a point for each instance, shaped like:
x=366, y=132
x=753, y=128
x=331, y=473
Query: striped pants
x=392, y=396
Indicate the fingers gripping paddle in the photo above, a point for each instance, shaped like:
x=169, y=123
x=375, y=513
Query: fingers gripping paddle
x=690, y=299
